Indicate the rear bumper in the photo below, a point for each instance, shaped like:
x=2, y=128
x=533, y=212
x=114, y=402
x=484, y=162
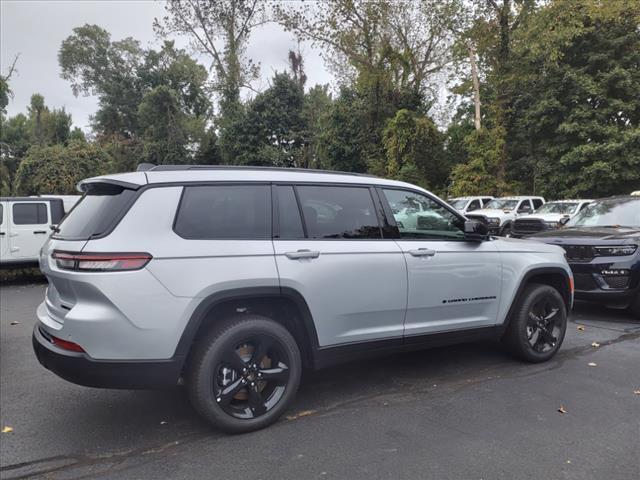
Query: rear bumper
x=81, y=369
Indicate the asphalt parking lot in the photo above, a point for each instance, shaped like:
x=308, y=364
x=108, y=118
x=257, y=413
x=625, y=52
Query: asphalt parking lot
x=464, y=412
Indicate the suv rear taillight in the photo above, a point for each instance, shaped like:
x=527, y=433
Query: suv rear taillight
x=100, y=262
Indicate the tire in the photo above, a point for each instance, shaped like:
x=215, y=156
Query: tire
x=506, y=230
x=538, y=324
x=237, y=401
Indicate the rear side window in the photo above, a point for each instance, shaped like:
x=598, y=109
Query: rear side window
x=96, y=212
x=225, y=212
x=30, y=214
x=1, y=214
x=537, y=203
x=339, y=212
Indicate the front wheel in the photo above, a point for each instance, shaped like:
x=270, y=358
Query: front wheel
x=538, y=324
x=244, y=373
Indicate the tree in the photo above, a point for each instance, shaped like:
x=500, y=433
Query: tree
x=272, y=130
x=316, y=110
x=578, y=109
x=164, y=127
x=413, y=147
x=57, y=169
x=221, y=30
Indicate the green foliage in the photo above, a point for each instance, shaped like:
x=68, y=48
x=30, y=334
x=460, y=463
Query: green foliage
x=57, y=169
x=272, y=130
x=413, y=151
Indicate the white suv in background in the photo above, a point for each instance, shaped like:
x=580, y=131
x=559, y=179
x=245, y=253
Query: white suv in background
x=469, y=204
x=500, y=213
x=550, y=216
x=231, y=280
x=25, y=224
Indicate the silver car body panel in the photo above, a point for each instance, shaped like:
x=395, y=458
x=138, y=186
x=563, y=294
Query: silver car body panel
x=356, y=290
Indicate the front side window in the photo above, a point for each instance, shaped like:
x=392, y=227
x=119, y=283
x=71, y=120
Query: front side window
x=339, y=212
x=30, y=214
x=475, y=205
x=418, y=216
x=565, y=208
x=525, y=206
x=225, y=212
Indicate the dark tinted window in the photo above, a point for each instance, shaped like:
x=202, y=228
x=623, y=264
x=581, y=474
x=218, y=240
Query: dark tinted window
x=96, y=212
x=418, y=216
x=30, y=213
x=289, y=221
x=537, y=203
x=525, y=206
x=225, y=211
x=1, y=214
x=339, y=212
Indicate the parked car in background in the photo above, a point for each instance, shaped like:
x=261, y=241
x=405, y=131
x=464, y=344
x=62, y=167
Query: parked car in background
x=232, y=280
x=500, y=213
x=550, y=216
x=25, y=224
x=469, y=204
x=602, y=245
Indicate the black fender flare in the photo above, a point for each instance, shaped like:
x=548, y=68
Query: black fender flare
x=567, y=295
x=247, y=293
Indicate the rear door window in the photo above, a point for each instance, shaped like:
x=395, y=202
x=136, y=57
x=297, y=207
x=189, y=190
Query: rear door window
x=30, y=213
x=537, y=203
x=339, y=212
x=96, y=213
x=225, y=212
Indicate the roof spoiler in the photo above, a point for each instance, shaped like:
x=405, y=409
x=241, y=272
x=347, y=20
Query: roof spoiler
x=84, y=185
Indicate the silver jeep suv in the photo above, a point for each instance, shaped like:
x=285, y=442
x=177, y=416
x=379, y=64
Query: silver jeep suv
x=232, y=280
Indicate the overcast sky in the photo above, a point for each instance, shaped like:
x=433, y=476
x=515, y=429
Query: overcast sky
x=35, y=29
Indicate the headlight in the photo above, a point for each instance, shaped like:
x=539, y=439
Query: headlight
x=552, y=224
x=493, y=220
x=616, y=251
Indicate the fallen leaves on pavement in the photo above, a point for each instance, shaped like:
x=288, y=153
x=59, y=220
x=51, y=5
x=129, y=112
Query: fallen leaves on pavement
x=7, y=429
x=593, y=364
x=636, y=392
x=304, y=413
x=580, y=328
x=595, y=344
x=14, y=323
x=562, y=409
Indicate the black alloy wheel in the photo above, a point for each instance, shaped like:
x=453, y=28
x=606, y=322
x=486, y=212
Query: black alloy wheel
x=542, y=330
x=251, y=377
x=244, y=373
x=537, y=324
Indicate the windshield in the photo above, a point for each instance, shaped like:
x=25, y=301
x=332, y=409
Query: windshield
x=623, y=212
x=501, y=204
x=558, y=207
x=458, y=204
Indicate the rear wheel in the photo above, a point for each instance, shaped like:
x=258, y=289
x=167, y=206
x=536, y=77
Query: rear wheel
x=244, y=373
x=538, y=324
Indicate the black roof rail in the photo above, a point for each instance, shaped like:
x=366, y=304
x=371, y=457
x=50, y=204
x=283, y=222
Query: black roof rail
x=171, y=168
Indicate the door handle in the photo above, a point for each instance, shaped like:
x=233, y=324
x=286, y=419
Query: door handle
x=302, y=254
x=38, y=232
x=1, y=233
x=422, y=252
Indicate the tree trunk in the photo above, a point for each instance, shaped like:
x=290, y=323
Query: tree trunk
x=476, y=85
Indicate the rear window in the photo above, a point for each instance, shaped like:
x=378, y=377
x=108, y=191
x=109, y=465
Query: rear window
x=339, y=212
x=30, y=214
x=225, y=212
x=96, y=212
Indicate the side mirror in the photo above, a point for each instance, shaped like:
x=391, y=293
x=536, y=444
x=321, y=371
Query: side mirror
x=475, y=231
